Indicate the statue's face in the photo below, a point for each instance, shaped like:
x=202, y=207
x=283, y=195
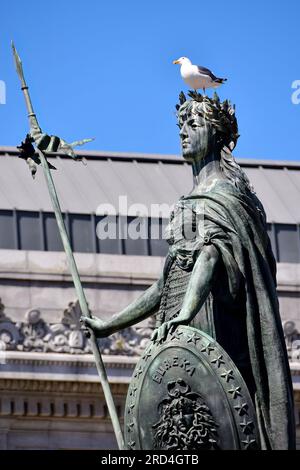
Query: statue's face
x=183, y=422
x=197, y=136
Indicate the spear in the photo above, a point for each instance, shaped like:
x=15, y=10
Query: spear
x=36, y=133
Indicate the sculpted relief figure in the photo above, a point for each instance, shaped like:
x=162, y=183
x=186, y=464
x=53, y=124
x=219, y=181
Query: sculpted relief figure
x=219, y=279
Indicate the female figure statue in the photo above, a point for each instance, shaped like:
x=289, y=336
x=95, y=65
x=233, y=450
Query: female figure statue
x=220, y=272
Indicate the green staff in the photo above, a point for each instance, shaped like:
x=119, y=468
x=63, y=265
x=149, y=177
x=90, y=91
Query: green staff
x=44, y=142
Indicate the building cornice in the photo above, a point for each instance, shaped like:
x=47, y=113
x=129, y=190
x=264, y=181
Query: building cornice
x=97, y=268
x=57, y=387
x=69, y=360
x=106, y=269
x=156, y=157
x=52, y=367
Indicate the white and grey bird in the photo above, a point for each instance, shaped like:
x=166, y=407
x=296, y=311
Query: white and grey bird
x=197, y=76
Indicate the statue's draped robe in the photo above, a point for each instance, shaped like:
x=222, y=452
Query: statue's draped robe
x=242, y=311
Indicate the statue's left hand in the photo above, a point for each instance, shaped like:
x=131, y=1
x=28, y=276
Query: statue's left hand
x=160, y=334
x=52, y=143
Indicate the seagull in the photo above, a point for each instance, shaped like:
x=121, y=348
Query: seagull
x=196, y=76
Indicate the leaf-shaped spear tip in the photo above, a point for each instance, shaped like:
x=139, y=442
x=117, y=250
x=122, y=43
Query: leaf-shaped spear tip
x=44, y=142
x=18, y=64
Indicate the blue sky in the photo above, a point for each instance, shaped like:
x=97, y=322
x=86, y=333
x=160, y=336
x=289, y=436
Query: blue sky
x=104, y=69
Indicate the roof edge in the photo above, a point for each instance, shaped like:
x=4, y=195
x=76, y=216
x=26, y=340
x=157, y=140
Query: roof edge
x=99, y=154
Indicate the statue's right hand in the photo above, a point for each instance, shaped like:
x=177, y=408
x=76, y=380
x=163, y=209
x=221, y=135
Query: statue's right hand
x=159, y=335
x=100, y=328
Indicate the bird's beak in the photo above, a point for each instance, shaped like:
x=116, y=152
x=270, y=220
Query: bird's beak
x=176, y=62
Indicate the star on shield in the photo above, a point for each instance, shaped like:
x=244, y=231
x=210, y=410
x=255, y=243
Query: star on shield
x=235, y=391
x=146, y=355
x=249, y=442
x=208, y=348
x=133, y=391
x=138, y=372
x=247, y=426
x=130, y=426
x=131, y=445
x=193, y=338
x=218, y=361
x=227, y=375
x=176, y=335
x=241, y=409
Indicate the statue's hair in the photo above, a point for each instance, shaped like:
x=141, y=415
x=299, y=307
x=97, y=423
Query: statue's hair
x=221, y=115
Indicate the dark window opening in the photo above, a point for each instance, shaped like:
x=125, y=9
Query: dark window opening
x=25, y=230
x=7, y=230
x=29, y=230
x=288, y=243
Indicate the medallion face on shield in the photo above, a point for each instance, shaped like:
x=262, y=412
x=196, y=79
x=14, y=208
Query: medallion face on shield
x=185, y=421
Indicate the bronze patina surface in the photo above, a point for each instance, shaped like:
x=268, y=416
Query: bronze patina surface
x=220, y=278
x=186, y=393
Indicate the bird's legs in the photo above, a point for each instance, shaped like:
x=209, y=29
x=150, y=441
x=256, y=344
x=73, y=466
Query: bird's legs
x=203, y=91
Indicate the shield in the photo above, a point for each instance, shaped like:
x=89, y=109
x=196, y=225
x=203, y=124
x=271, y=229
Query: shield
x=187, y=394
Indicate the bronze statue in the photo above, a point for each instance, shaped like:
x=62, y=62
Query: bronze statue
x=220, y=280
